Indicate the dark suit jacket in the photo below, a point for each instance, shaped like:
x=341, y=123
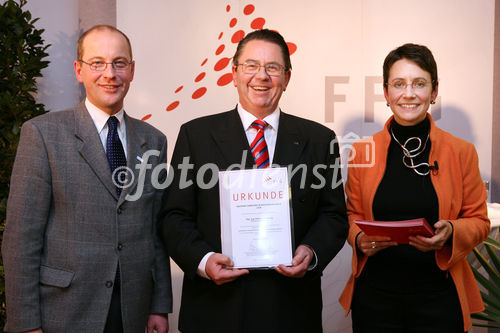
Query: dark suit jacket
x=262, y=301
x=67, y=230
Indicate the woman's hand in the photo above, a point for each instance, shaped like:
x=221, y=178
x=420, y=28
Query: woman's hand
x=444, y=230
x=370, y=245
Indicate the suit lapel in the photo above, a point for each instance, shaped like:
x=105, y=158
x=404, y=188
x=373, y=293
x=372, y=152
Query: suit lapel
x=231, y=139
x=290, y=141
x=91, y=148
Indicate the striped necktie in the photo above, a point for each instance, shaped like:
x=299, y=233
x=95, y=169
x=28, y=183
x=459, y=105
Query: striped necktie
x=259, y=146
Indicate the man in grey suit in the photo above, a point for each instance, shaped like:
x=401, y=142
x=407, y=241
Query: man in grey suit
x=80, y=248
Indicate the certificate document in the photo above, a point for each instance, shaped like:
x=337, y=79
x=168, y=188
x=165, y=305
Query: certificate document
x=256, y=220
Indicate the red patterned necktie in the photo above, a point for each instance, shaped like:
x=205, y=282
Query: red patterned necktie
x=259, y=146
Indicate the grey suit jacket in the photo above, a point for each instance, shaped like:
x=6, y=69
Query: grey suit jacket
x=67, y=230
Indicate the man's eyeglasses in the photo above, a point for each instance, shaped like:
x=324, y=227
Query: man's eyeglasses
x=415, y=85
x=271, y=69
x=99, y=65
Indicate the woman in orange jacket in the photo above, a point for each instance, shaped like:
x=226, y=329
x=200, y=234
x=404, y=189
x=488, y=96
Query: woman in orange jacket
x=419, y=171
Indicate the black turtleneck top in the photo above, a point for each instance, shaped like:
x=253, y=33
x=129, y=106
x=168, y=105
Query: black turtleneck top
x=402, y=195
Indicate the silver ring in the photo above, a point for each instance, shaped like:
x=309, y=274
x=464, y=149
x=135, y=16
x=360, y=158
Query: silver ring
x=374, y=245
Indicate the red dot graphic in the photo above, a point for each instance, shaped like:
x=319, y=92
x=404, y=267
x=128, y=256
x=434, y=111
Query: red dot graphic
x=204, y=61
x=233, y=22
x=146, y=117
x=248, y=9
x=228, y=8
x=200, y=77
x=225, y=79
x=220, y=35
x=291, y=47
x=199, y=92
x=178, y=89
x=237, y=36
x=173, y=105
x=221, y=64
x=219, y=49
x=258, y=23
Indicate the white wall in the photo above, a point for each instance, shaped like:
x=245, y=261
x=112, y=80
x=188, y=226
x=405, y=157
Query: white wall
x=58, y=89
x=334, y=38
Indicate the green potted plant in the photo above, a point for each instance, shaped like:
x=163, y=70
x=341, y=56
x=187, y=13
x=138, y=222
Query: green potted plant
x=490, y=281
x=21, y=61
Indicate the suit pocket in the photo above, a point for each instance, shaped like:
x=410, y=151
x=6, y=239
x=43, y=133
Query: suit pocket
x=55, y=277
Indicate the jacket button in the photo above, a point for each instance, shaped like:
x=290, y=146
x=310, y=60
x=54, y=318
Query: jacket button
x=109, y=284
x=120, y=246
x=119, y=211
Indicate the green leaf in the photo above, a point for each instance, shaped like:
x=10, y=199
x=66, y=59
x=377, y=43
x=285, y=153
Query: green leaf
x=491, y=301
x=488, y=285
x=490, y=281
x=483, y=317
x=493, y=256
x=480, y=316
x=493, y=315
x=490, y=241
x=486, y=325
x=493, y=274
x=22, y=57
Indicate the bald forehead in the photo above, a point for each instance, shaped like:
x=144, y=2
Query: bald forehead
x=101, y=30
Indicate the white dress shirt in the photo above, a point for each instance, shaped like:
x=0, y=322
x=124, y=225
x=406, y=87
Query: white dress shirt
x=270, y=132
x=100, y=119
x=270, y=135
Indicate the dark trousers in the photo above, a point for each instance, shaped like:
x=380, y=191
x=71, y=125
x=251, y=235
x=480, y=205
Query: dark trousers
x=377, y=311
x=114, y=322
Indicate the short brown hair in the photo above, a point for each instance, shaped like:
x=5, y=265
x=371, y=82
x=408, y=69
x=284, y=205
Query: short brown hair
x=419, y=54
x=268, y=36
x=79, y=47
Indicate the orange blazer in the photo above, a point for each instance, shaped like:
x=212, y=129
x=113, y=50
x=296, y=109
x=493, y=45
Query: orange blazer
x=461, y=196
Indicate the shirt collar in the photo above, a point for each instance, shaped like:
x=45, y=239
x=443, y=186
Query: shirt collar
x=100, y=117
x=247, y=118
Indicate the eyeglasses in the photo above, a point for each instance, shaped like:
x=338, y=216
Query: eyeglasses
x=415, y=85
x=271, y=69
x=99, y=66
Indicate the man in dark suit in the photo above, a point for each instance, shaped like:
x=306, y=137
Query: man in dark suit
x=81, y=249
x=216, y=298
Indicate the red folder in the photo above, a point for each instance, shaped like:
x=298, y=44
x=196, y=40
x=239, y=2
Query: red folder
x=399, y=231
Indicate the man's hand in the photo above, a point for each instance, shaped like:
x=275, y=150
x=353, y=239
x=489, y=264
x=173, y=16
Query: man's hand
x=443, y=232
x=300, y=263
x=157, y=323
x=218, y=268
